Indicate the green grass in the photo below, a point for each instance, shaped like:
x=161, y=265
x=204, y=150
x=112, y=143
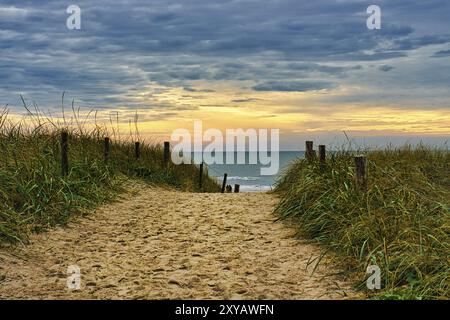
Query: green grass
x=400, y=224
x=33, y=194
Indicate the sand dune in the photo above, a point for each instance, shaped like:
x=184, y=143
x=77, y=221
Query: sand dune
x=158, y=244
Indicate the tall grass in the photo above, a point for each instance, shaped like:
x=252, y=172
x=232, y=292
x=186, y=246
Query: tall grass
x=400, y=224
x=34, y=195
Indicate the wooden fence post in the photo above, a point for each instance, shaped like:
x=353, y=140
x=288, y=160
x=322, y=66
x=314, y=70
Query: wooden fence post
x=224, y=183
x=200, y=178
x=322, y=154
x=166, y=153
x=106, y=149
x=137, y=150
x=64, y=153
x=236, y=188
x=309, y=152
x=361, y=172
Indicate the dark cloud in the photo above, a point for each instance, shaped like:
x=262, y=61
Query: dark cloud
x=245, y=100
x=125, y=47
x=190, y=89
x=289, y=86
x=385, y=68
x=441, y=54
x=414, y=43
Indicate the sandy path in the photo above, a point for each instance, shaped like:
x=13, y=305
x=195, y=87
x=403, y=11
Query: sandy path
x=158, y=244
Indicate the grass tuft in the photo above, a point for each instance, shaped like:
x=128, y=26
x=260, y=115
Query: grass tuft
x=33, y=194
x=400, y=224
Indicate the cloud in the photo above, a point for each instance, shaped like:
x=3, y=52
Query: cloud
x=11, y=13
x=286, y=45
x=291, y=86
x=441, y=54
x=190, y=89
x=385, y=68
x=245, y=100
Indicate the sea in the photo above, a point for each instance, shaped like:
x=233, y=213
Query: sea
x=248, y=176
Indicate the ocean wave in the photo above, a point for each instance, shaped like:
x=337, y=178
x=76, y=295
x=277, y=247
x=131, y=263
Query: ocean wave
x=240, y=178
x=254, y=188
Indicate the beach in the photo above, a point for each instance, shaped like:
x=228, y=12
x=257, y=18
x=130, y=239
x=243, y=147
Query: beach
x=154, y=243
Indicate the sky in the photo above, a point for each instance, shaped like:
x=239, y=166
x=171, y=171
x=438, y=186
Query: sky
x=309, y=68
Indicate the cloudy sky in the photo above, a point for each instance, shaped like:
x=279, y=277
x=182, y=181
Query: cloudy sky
x=310, y=68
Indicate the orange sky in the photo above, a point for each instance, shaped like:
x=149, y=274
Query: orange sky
x=291, y=112
x=298, y=115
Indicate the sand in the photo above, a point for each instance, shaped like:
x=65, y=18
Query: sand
x=163, y=244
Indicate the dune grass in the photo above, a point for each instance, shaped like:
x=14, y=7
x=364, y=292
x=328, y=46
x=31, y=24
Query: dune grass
x=400, y=224
x=33, y=193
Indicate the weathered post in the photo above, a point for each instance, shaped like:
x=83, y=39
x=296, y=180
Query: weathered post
x=137, y=150
x=64, y=153
x=322, y=154
x=166, y=153
x=200, y=178
x=309, y=152
x=106, y=149
x=236, y=188
x=224, y=183
x=361, y=172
